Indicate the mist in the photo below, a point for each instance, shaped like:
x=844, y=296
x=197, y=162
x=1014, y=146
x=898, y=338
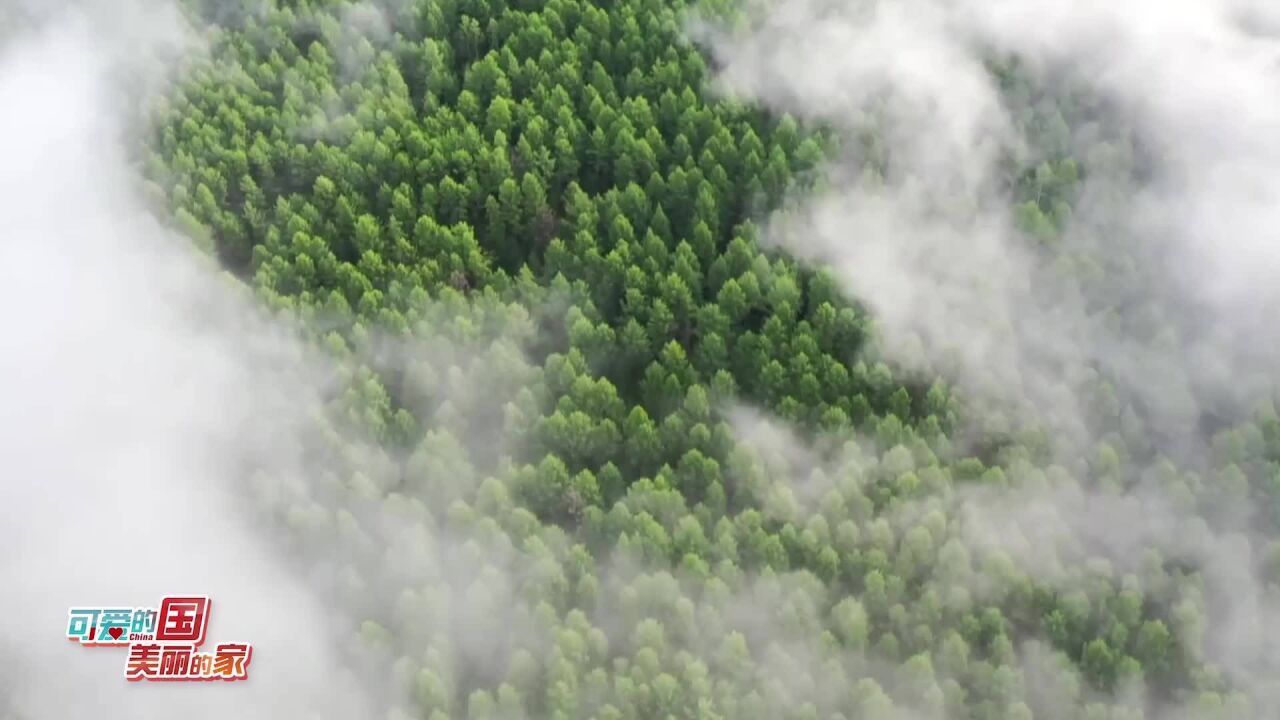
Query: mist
x=1171, y=226
x=163, y=435
x=1142, y=324
x=135, y=380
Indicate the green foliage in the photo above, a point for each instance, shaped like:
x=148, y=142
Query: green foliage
x=553, y=175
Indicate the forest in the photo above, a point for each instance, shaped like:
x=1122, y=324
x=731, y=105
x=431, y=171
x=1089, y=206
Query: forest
x=594, y=445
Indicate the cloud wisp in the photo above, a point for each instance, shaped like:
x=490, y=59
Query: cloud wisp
x=1141, y=322
x=161, y=434
x=1160, y=281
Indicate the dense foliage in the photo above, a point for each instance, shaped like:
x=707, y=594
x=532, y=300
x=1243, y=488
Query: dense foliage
x=540, y=206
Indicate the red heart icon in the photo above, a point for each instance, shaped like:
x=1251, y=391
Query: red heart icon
x=115, y=632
